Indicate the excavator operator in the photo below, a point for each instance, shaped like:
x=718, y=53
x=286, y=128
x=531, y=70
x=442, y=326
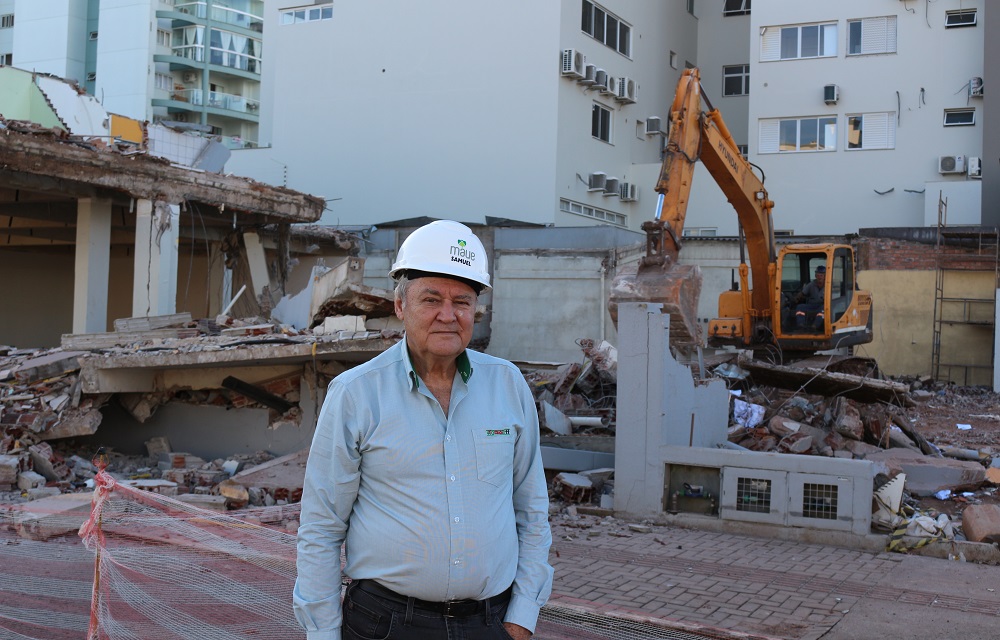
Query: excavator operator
x=811, y=302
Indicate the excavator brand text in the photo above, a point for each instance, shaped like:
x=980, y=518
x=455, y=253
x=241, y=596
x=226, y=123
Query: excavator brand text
x=462, y=255
x=728, y=156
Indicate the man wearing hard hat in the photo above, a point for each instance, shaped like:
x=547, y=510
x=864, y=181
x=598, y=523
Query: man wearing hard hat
x=426, y=463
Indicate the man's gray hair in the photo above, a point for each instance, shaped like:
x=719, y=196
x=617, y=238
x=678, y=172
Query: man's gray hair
x=401, y=286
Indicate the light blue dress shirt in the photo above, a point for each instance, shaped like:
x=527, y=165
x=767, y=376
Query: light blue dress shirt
x=431, y=506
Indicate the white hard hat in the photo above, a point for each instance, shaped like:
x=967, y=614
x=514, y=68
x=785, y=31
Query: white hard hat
x=446, y=248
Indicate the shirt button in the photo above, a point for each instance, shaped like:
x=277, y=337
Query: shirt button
x=456, y=519
x=458, y=562
x=448, y=438
x=453, y=478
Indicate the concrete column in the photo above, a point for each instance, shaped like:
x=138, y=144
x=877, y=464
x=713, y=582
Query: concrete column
x=659, y=405
x=996, y=356
x=257, y=261
x=93, y=252
x=218, y=293
x=154, y=287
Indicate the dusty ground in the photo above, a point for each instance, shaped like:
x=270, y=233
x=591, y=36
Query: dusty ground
x=937, y=418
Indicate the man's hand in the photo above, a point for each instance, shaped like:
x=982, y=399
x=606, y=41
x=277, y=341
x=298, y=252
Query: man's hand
x=516, y=631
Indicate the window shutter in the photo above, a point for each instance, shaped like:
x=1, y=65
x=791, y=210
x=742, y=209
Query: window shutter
x=770, y=44
x=879, y=130
x=829, y=40
x=878, y=35
x=768, y=136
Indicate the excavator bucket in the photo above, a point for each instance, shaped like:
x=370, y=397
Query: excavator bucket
x=675, y=286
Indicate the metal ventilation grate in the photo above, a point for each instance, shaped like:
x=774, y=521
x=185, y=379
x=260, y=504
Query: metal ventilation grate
x=819, y=501
x=753, y=494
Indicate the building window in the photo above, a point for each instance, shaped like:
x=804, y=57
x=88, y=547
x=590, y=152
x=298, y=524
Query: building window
x=6, y=59
x=592, y=212
x=736, y=80
x=600, y=123
x=163, y=37
x=784, y=233
x=607, y=28
x=744, y=150
x=673, y=60
x=800, y=41
x=7, y=21
x=164, y=81
x=307, y=14
x=701, y=232
x=798, y=134
x=871, y=35
x=871, y=131
x=959, y=18
x=959, y=117
x=736, y=8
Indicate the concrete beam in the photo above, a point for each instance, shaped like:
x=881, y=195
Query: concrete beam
x=93, y=259
x=43, y=162
x=112, y=370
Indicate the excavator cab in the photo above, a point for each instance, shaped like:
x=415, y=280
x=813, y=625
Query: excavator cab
x=841, y=318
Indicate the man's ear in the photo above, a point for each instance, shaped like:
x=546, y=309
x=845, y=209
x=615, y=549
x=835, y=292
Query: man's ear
x=399, y=308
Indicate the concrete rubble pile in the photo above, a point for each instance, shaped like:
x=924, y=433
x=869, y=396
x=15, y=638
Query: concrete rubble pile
x=578, y=398
x=866, y=417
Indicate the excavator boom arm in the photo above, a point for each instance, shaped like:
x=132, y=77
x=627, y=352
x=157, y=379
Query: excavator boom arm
x=695, y=134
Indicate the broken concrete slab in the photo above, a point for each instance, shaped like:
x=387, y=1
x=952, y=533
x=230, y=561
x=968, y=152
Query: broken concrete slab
x=555, y=420
x=9, y=466
x=28, y=480
x=50, y=365
x=279, y=476
x=203, y=501
x=827, y=383
x=574, y=487
x=981, y=522
x=925, y=475
x=53, y=516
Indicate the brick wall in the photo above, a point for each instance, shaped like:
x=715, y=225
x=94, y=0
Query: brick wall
x=891, y=254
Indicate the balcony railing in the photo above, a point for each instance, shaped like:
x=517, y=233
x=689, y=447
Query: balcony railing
x=216, y=99
x=220, y=57
x=227, y=15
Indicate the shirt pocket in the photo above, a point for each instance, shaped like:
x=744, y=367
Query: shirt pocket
x=494, y=455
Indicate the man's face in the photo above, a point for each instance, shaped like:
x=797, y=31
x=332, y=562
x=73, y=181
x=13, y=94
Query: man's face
x=820, y=277
x=437, y=315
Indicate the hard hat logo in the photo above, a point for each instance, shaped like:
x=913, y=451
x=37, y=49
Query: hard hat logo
x=462, y=255
x=424, y=250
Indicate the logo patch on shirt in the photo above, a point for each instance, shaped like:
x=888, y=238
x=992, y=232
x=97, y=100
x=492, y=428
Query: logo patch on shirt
x=498, y=432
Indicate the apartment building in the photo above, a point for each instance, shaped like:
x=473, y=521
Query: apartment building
x=868, y=114
x=197, y=62
x=550, y=113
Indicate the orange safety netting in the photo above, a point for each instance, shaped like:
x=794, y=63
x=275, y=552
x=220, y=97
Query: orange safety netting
x=168, y=570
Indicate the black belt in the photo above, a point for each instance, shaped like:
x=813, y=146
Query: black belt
x=452, y=608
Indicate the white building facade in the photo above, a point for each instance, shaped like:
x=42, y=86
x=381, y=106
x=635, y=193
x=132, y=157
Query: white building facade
x=391, y=113
x=193, y=61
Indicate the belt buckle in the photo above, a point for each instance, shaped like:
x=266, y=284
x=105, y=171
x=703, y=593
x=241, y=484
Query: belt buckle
x=447, y=608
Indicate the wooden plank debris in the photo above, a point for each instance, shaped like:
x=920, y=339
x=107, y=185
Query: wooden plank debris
x=827, y=383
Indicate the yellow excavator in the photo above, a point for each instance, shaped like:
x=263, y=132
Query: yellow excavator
x=765, y=312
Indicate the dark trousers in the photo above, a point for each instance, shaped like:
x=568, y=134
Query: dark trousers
x=372, y=612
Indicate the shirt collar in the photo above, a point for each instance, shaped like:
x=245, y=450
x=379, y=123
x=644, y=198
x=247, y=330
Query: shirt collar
x=462, y=362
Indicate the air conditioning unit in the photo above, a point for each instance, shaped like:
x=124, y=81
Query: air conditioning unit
x=573, y=63
x=611, y=187
x=951, y=164
x=626, y=91
x=189, y=76
x=612, y=88
x=589, y=71
x=628, y=192
x=831, y=93
x=975, y=167
x=653, y=126
x=975, y=87
x=597, y=181
x=600, y=80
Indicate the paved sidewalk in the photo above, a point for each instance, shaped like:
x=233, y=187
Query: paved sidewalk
x=728, y=586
